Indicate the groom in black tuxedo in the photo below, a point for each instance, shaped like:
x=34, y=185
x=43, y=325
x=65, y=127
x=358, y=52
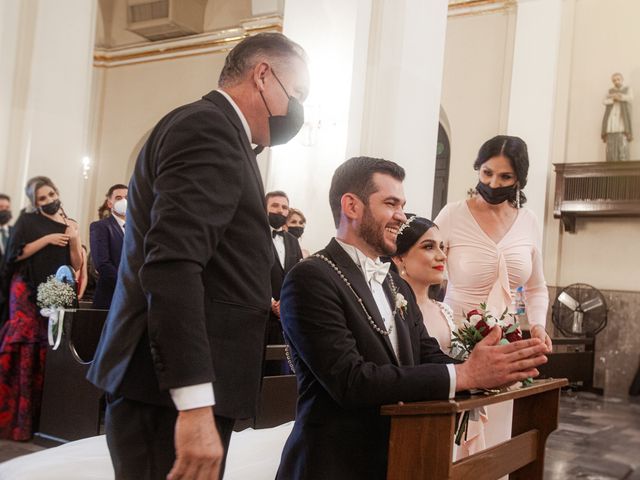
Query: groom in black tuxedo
x=358, y=339
x=186, y=327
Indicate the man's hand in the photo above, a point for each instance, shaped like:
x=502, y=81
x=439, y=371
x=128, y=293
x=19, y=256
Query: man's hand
x=199, y=450
x=275, y=307
x=492, y=365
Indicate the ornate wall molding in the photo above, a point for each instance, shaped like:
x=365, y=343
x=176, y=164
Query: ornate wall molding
x=464, y=8
x=219, y=41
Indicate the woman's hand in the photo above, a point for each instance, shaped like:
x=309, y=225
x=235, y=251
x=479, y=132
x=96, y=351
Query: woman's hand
x=72, y=232
x=58, y=239
x=538, y=331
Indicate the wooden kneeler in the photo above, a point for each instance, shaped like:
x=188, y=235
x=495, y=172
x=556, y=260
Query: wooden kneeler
x=422, y=435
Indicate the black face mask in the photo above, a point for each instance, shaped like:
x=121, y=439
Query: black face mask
x=495, y=196
x=51, y=208
x=296, y=231
x=276, y=220
x=283, y=128
x=5, y=216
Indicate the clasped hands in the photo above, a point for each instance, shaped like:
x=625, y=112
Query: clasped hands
x=493, y=365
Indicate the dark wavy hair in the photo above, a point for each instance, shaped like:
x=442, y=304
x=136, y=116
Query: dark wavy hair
x=415, y=227
x=512, y=148
x=356, y=176
x=411, y=232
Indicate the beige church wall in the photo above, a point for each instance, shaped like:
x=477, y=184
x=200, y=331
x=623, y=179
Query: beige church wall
x=477, y=66
x=132, y=100
x=603, y=38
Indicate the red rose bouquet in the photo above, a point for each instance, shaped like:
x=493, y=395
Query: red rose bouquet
x=478, y=324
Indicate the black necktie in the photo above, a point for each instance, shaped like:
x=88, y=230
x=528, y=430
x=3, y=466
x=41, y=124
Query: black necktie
x=277, y=232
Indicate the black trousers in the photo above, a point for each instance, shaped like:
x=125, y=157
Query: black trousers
x=140, y=438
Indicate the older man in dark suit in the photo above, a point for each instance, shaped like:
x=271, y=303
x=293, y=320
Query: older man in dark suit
x=358, y=340
x=186, y=325
x=105, y=238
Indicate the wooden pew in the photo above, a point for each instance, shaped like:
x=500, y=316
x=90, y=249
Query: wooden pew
x=71, y=406
x=422, y=434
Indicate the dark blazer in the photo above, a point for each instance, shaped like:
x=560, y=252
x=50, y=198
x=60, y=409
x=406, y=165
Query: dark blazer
x=346, y=370
x=190, y=304
x=4, y=284
x=2, y=252
x=292, y=255
x=105, y=238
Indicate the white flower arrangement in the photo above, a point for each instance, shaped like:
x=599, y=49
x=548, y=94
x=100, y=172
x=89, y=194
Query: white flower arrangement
x=54, y=294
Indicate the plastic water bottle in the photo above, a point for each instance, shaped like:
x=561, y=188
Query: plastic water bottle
x=519, y=301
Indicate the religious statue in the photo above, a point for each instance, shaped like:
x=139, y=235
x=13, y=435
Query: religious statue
x=616, y=123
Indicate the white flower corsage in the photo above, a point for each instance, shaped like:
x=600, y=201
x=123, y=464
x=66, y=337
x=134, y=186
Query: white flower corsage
x=401, y=304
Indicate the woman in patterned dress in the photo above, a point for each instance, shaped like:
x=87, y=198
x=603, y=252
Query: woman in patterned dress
x=42, y=240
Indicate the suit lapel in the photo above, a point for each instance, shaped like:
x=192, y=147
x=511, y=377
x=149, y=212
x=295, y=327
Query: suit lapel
x=359, y=285
x=218, y=99
x=405, y=353
x=289, y=252
x=115, y=227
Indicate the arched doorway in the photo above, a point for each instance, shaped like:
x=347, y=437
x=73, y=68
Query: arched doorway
x=441, y=177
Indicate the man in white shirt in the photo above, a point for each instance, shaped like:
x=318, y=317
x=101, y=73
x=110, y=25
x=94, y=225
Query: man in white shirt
x=358, y=341
x=287, y=253
x=106, y=237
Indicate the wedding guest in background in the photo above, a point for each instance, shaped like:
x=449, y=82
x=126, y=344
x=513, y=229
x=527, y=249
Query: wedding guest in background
x=106, y=237
x=5, y=232
x=493, y=247
x=5, y=218
x=186, y=327
x=296, y=221
x=357, y=339
x=104, y=211
x=287, y=253
x=43, y=239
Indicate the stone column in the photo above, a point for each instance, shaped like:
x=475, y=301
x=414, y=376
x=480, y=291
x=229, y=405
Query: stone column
x=403, y=91
x=533, y=90
x=376, y=71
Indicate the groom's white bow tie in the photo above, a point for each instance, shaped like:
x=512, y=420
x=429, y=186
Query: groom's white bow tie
x=375, y=270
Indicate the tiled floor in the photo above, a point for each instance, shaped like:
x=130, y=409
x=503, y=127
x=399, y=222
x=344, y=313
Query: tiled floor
x=596, y=440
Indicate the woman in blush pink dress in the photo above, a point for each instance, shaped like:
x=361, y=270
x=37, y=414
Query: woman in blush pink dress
x=420, y=260
x=493, y=247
